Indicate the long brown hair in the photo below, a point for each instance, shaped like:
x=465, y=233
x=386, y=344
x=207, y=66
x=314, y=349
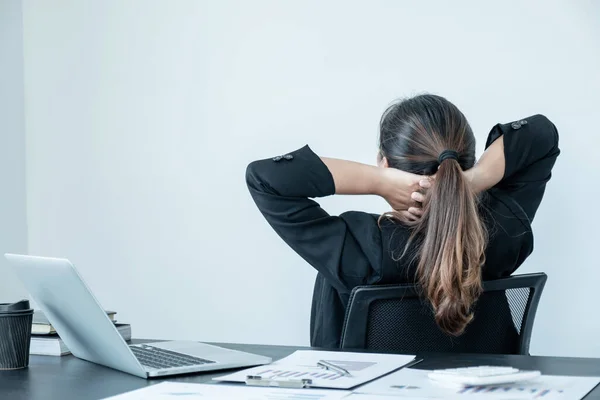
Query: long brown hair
x=449, y=240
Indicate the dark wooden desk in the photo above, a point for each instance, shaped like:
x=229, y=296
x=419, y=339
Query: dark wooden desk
x=68, y=378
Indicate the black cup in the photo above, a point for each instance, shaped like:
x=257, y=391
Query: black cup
x=15, y=334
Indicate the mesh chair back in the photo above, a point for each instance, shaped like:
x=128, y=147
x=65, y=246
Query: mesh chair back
x=394, y=318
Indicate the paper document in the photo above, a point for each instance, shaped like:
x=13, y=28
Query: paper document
x=193, y=391
x=414, y=384
x=362, y=367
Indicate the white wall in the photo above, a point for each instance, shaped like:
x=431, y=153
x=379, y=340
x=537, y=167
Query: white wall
x=142, y=115
x=13, y=223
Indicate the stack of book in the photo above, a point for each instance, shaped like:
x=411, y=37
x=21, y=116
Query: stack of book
x=45, y=340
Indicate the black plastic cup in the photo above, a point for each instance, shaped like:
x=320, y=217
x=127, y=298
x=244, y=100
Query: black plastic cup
x=15, y=335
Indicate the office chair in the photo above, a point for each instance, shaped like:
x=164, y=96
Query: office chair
x=393, y=318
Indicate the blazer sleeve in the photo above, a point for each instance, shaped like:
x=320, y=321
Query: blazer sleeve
x=342, y=248
x=530, y=150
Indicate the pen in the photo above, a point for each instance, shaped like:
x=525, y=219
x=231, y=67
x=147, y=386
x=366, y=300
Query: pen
x=333, y=367
x=257, y=380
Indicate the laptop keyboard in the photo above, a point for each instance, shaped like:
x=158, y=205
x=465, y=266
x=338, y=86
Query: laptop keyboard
x=154, y=357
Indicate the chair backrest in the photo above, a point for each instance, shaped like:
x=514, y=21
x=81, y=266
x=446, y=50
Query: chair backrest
x=393, y=318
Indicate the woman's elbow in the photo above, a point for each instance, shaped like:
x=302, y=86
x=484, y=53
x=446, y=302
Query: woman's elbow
x=252, y=175
x=547, y=135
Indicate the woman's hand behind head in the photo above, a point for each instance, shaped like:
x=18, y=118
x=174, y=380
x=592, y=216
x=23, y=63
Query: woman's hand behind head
x=397, y=188
x=416, y=211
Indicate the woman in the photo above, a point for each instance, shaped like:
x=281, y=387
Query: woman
x=453, y=224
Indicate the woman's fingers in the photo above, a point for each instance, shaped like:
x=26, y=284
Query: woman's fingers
x=413, y=214
x=417, y=212
x=409, y=216
x=416, y=196
x=425, y=183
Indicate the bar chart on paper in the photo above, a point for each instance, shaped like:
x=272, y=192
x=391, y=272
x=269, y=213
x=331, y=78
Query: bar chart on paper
x=307, y=364
x=414, y=383
x=283, y=373
x=530, y=392
x=499, y=392
x=546, y=387
x=314, y=372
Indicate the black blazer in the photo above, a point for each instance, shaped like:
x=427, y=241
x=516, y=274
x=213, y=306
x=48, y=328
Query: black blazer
x=353, y=249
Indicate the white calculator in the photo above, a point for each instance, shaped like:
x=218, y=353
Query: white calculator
x=481, y=376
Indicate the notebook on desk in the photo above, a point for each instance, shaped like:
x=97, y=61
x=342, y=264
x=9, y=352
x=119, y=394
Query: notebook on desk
x=89, y=333
x=41, y=326
x=53, y=345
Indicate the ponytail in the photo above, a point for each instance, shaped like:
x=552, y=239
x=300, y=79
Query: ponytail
x=427, y=135
x=452, y=248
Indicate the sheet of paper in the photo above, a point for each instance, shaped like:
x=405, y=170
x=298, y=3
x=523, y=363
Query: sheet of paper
x=302, y=364
x=194, y=391
x=414, y=384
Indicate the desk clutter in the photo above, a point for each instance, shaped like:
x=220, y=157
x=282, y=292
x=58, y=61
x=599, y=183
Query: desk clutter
x=303, y=375
x=194, y=391
x=15, y=331
x=325, y=375
x=45, y=341
x=320, y=369
x=418, y=384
